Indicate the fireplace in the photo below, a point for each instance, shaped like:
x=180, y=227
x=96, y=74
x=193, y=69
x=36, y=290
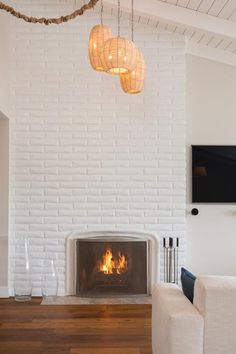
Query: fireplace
x=111, y=263
x=111, y=268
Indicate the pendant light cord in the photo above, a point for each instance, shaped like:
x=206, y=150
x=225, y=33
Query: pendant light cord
x=101, y=12
x=132, y=20
x=118, y=18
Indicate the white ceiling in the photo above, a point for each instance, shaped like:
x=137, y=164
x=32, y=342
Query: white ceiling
x=219, y=8
x=209, y=25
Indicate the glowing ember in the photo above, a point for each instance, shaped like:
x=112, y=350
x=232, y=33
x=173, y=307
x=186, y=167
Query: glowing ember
x=109, y=265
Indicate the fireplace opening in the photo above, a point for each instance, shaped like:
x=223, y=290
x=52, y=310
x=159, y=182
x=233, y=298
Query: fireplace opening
x=111, y=268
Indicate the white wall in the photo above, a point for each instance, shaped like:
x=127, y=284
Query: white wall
x=4, y=183
x=84, y=155
x=4, y=61
x=4, y=97
x=4, y=175
x=211, y=119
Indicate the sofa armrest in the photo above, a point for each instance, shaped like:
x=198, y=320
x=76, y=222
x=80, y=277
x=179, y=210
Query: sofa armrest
x=177, y=327
x=215, y=298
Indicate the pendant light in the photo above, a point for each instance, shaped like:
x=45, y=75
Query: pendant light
x=98, y=36
x=133, y=82
x=119, y=55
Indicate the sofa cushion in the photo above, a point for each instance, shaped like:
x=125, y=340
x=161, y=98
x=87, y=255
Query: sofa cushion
x=188, y=281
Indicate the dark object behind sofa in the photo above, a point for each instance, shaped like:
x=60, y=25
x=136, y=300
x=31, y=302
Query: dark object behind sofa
x=188, y=281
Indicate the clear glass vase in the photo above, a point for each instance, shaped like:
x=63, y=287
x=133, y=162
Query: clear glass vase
x=49, y=279
x=22, y=279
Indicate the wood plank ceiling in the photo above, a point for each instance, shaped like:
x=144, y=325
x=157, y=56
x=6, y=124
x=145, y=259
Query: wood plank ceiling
x=225, y=9
x=220, y=8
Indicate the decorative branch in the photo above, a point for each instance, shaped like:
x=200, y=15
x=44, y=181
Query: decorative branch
x=49, y=21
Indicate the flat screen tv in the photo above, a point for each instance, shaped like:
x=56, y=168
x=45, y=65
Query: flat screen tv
x=213, y=174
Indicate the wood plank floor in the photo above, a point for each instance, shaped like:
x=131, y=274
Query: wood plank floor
x=28, y=328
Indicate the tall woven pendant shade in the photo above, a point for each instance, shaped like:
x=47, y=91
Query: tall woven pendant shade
x=119, y=56
x=133, y=82
x=98, y=36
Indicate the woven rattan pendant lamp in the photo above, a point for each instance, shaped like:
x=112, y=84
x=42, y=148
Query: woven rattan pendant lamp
x=119, y=55
x=133, y=82
x=98, y=36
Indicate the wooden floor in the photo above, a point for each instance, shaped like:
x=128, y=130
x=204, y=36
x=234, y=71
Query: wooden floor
x=28, y=328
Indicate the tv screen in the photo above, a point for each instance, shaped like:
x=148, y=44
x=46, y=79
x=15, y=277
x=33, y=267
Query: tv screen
x=213, y=174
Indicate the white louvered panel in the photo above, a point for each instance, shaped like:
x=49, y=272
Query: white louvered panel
x=201, y=38
x=220, y=41
x=206, y=39
x=183, y=3
x=138, y=18
x=161, y=25
x=214, y=41
x=230, y=47
x=197, y=36
x=157, y=24
x=223, y=44
x=152, y=21
x=217, y=7
x=228, y=9
x=194, y=4
x=180, y=30
x=189, y=32
x=205, y=6
x=170, y=27
x=143, y=19
x=147, y=20
x=233, y=16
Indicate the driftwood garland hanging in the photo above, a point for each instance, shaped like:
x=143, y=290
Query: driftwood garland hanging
x=49, y=21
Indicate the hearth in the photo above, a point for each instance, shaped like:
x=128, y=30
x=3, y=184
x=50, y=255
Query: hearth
x=111, y=263
x=111, y=268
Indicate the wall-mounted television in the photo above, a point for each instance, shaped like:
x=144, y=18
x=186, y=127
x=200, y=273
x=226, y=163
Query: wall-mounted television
x=213, y=174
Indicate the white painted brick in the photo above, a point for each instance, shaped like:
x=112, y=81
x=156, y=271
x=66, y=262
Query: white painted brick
x=85, y=156
x=41, y=227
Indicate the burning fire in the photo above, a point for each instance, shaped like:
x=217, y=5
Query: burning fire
x=110, y=265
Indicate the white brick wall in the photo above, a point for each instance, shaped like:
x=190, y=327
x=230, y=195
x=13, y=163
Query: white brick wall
x=84, y=155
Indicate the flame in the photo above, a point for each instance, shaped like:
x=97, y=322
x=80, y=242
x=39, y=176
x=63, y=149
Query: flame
x=110, y=265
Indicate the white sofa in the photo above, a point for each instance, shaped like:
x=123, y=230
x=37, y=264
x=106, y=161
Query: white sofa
x=208, y=326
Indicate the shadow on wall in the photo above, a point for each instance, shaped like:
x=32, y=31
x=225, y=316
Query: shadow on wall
x=4, y=188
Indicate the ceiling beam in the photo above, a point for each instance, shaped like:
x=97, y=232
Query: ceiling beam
x=181, y=16
x=207, y=52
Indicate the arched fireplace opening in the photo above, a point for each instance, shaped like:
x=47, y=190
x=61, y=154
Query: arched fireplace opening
x=110, y=263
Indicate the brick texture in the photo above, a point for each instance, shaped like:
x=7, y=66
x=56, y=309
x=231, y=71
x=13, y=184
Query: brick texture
x=84, y=155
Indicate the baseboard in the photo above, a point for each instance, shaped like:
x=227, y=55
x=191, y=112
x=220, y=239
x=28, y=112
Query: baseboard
x=4, y=291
